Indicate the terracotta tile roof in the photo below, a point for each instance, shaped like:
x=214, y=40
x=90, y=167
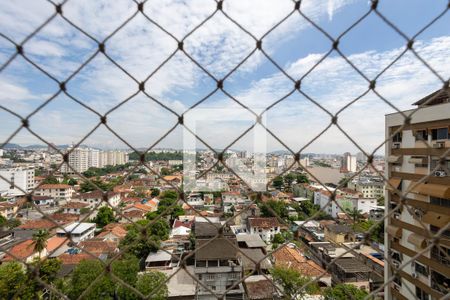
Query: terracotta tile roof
x=38, y=224
x=291, y=258
x=64, y=218
x=143, y=207
x=134, y=214
x=116, y=229
x=7, y=204
x=74, y=259
x=262, y=289
x=75, y=205
x=20, y=251
x=96, y=246
x=171, y=178
x=54, y=186
x=263, y=222
x=95, y=195
x=186, y=223
x=131, y=199
x=55, y=242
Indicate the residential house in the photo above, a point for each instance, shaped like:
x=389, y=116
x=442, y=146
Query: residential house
x=95, y=197
x=351, y=271
x=61, y=193
x=78, y=231
x=74, y=207
x=27, y=229
x=43, y=200
x=266, y=228
x=99, y=247
x=23, y=251
x=9, y=210
x=339, y=233
x=160, y=260
x=218, y=267
x=290, y=257
x=113, y=232
x=132, y=215
x=260, y=287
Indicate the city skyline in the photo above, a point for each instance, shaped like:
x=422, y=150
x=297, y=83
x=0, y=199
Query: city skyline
x=296, y=46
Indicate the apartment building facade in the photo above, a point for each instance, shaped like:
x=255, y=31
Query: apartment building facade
x=61, y=193
x=417, y=150
x=81, y=159
x=21, y=179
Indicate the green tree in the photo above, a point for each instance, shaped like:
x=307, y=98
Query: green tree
x=84, y=275
x=165, y=171
x=72, y=181
x=380, y=201
x=50, y=180
x=292, y=282
x=277, y=240
x=277, y=182
x=104, y=216
x=148, y=282
x=273, y=208
x=48, y=269
x=12, y=223
x=15, y=282
x=355, y=214
x=302, y=178
x=169, y=194
x=289, y=178
x=344, y=292
x=126, y=269
x=3, y=221
x=343, y=182
x=40, y=240
x=141, y=238
x=155, y=192
x=88, y=186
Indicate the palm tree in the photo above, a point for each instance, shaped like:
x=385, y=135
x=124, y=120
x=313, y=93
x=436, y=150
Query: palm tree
x=40, y=240
x=355, y=214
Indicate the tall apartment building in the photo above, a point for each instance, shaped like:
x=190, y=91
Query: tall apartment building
x=78, y=160
x=20, y=179
x=348, y=163
x=81, y=159
x=413, y=153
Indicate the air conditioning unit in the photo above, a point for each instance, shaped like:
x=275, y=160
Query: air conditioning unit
x=439, y=145
x=414, y=275
x=396, y=146
x=440, y=173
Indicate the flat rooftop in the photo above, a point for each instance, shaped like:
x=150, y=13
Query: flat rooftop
x=77, y=227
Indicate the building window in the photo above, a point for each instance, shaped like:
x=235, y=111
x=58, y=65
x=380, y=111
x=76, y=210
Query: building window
x=421, y=295
x=421, y=135
x=440, y=201
x=397, y=138
x=439, y=134
x=421, y=269
x=210, y=277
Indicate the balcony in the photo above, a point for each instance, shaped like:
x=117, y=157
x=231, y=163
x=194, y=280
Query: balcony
x=440, y=283
x=439, y=255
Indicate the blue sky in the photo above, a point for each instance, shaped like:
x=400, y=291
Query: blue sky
x=219, y=45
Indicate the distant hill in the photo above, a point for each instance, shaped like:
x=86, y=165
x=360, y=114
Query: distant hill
x=11, y=146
